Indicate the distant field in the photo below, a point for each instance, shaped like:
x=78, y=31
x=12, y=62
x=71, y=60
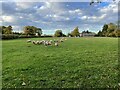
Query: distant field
x=76, y=63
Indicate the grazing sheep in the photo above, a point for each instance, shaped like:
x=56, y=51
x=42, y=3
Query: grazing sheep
x=56, y=43
x=49, y=43
x=56, y=40
x=28, y=41
x=65, y=39
x=61, y=40
x=37, y=42
x=45, y=43
x=40, y=42
x=34, y=42
x=23, y=84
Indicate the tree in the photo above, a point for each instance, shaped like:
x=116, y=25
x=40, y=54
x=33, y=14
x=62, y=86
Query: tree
x=58, y=33
x=109, y=30
x=75, y=32
x=39, y=31
x=99, y=33
x=6, y=30
x=32, y=30
x=69, y=35
x=9, y=28
x=117, y=32
x=2, y=29
x=111, y=27
x=28, y=30
x=104, y=30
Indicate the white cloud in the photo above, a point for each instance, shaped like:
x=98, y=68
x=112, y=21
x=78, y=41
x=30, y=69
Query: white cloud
x=78, y=11
x=48, y=4
x=49, y=15
x=24, y=5
x=8, y=19
x=55, y=16
x=59, y=18
x=84, y=17
x=20, y=17
x=45, y=6
x=52, y=16
x=111, y=8
x=50, y=9
x=67, y=18
x=42, y=7
x=94, y=18
x=102, y=16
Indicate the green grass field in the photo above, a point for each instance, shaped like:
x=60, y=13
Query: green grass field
x=76, y=63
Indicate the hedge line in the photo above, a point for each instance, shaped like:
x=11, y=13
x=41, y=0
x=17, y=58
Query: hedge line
x=16, y=36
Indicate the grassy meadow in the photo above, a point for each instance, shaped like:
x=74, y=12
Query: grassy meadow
x=75, y=63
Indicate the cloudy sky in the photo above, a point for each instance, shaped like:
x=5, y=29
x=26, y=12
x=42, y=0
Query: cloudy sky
x=51, y=16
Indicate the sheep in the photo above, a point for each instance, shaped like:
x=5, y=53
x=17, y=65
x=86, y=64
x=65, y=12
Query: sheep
x=37, y=42
x=34, y=42
x=45, y=43
x=28, y=41
x=56, y=43
x=49, y=43
x=40, y=42
x=61, y=40
x=56, y=40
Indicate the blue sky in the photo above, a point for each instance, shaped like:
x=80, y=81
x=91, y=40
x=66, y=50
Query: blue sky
x=65, y=16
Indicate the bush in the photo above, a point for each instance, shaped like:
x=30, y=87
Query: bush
x=16, y=36
x=9, y=36
x=47, y=36
x=24, y=36
x=28, y=36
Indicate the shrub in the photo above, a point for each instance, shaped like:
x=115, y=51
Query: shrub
x=9, y=36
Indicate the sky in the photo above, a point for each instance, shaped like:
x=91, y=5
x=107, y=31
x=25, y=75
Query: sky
x=52, y=16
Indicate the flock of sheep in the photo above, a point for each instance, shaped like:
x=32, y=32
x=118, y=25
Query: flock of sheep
x=47, y=42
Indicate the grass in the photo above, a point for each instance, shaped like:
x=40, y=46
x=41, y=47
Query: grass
x=76, y=63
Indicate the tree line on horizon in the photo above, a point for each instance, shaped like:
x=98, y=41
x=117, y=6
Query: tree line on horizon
x=108, y=30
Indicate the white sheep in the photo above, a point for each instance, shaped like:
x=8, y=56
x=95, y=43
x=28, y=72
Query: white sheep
x=34, y=42
x=65, y=39
x=28, y=41
x=61, y=40
x=45, y=43
x=37, y=42
x=56, y=43
x=40, y=42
